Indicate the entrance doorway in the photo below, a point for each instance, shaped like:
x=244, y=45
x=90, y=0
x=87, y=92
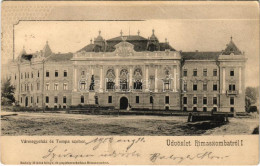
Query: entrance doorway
x=123, y=103
x=26, y=101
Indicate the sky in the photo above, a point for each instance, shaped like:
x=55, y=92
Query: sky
x=185, y=35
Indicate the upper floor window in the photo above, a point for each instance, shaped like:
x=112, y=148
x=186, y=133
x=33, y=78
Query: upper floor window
x=195, y=87
x=64, y=99
x=56, y=73
x=166, y=84
x=232, y=87
x=47, y=86
x=55, y=99
x=38, y=74
x=232, y=100
x=185, y=87
x=205, y=101
x=205, y=72
x=205, y=86
x=136, y=99
x=185, y=101
x=47, y=73
x=65, y=73
x=194, y=100
x=31, y=87
x=56, y=86
x=15, y=77
x=215, y=87
x=195, y=72
x=65, y=86
x=185, y=72
x=215, y=100
x=32, y=74
x=47, y=99
x=215, y=72
x=82, y=99
x=232, y=72
x=25, y=75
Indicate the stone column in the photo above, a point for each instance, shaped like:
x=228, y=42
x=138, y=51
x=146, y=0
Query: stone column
x=130, y=78
x=240, y=80
x=101, y=79
x=146, y=78
x=117, y=78
x=155, y=79
x=175, y=79
x=224, y=80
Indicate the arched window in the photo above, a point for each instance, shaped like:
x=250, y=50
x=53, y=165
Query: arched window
x=138, y=79
x=123, y=79
x=110, y=79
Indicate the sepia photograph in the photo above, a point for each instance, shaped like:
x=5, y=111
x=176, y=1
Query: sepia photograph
x=149, y=70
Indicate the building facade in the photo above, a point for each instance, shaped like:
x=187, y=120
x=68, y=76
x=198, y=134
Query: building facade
x=131, y=71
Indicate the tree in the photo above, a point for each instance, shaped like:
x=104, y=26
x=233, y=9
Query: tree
x=251, y=97
x=7, y=92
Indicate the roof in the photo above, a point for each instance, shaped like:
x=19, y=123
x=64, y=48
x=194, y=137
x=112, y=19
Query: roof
x=60, y=57
x=89, y=48
x=200, y=55
x=231, y=48
x=164, y=46
x=128, y=38
x=46, y=50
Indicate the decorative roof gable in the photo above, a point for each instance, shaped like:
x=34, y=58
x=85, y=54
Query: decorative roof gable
x=231, y=48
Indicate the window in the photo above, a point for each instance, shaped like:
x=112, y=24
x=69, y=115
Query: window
x=138, y=85
x=64, y=107
x=232, y=100
x=96, y=100
x=47, y=99
x=215, y=100
x=185, y=87
x=82, y=99
x=47, y=86
x=185, y=100
x=205, y=72
x=55, y=99
x=47, y=73
x=194, y=87
x=215, y=72
x=38, y=74
x=110, y=85
x=185, y=72
x=21, y=75
x=25, y=76
x=31, y=87
x=215, y=87
x=232, y=109
x=167, y=100
x=204, y=109
x=65, y=86
x=109, y=99
x=194, y=108
x=232, y=87
x=31, y=99
x=184, y=108
x=15, y=77
x=232, y=72
x=56, y=86
x=136, y=99
x=65, y=73
x=195, y=72
x=21, y=87
x=166, y=84
x=37, y=100
x=194, y=100
x=38, y=86
x=82, y=73
x=205, y=101
x=21, y=100
x=215, y=109
x=32, y=74
x=56, y=73
x=205, y=86
x=64, y=99
x=28, y=87
x=151, y=99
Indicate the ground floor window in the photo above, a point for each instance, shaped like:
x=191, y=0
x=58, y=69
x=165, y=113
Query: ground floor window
x=96, y=100
x=64, y=99
x=109, y=99
x=204, y=109
x=232, y=109
x=167, y=108
x=232, y=100
x=184, y=100
x=21, y=100
x=82, y=99
x=55, y=99
x=37, y=99
x=215, y=109
x=47, y=99
x=64, y=107
x=184, y=108
x=167, y=100
x=194, y=108
x=137, y=99
x=151, y=99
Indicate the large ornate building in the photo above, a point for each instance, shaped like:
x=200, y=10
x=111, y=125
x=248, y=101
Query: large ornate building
x=131, y=71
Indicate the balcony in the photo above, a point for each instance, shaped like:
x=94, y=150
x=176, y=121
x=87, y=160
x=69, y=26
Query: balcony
x=232, y=92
